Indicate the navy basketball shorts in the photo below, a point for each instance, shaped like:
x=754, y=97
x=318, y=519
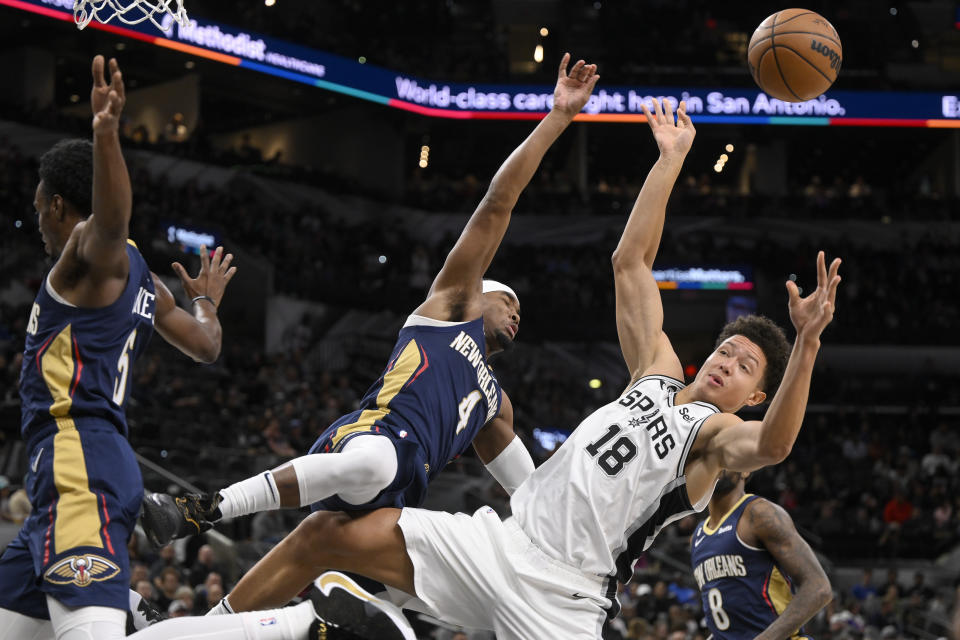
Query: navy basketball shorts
x=409, y=487
x=85, y=488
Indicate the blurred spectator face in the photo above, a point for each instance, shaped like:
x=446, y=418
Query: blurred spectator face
x=167, y=553
x=170, y=581
x=145, y=589
x=185, y=595
x=660, y=589
x=178, y=609
x=205, y=555
x=213, y=579
x=138, y=572
x=675, y=614
x=214, y=595
x=660, y=630
x=638, y=628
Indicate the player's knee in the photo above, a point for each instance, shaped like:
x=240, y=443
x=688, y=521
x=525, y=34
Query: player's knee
x=371, y=470
x=377, y=473
x=321, y=535
x=86, y=623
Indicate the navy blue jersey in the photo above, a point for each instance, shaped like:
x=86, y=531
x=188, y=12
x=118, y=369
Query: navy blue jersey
x=77, y=361
x=83, y=480
x=437, y=391
x=741, y=587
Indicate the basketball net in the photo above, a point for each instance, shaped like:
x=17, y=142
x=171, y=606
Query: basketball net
x=135, y=12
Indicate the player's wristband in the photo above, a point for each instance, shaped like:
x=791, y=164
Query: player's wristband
x=207, y=298
x=511, y=466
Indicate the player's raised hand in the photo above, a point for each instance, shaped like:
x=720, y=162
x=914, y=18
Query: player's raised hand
x=573, y=87
x=106, y=100
x=673, y=136
x=214, y=275
x=812, y=314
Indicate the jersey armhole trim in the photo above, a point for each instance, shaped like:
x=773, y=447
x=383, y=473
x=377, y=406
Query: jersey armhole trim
x=740, y=540
x=53, y=293
x=660, y=376
x=414, y=320
x=681, y=465
x=707, y=405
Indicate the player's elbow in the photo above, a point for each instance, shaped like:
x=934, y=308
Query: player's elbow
x=773, y=450
x=627, y=261
x=207, y=353
x=775, y=454
x=823, y=593
x=497, y=203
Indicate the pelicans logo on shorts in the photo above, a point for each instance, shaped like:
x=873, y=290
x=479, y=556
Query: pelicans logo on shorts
x=81, y=570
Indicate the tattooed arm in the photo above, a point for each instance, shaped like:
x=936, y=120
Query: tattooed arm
x=770, y=527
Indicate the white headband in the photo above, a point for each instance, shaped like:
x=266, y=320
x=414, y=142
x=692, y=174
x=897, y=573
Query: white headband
x=492, y=285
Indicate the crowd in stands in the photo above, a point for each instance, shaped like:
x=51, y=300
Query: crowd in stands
x=905, y=480
x=861, y=482
x=866, y=483
x=894, y=292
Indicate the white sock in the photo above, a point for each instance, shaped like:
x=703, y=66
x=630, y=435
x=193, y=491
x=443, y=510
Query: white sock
x=365, y=466
x=289, y=623
x=258, y=493
x=222, y=608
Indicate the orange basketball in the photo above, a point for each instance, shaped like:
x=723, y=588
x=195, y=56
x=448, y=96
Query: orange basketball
x=795, y=55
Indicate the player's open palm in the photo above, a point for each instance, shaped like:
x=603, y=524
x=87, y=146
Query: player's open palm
x=215, y=273
x=106, y=100
x=574, y=88
x=812, y=314
x=674, y=136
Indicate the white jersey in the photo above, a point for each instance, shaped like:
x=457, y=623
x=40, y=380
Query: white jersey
x=602, y=498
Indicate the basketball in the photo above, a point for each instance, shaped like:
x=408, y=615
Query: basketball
x=795, y=55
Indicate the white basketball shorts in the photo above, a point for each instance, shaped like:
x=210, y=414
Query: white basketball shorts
x=483, y=573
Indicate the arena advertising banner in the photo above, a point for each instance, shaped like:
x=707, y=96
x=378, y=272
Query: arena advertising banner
x=237, y=47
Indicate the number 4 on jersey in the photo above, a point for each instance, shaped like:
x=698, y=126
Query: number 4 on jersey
x=466, y=408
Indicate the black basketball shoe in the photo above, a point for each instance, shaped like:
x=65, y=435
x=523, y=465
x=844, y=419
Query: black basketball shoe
x=343, y=607
x=165, y=518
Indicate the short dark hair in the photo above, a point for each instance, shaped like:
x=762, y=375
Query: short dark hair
x=766, y=334
x=67, y=170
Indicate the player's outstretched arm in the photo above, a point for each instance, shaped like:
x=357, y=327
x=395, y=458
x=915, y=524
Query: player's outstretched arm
x=773, y=528
x=103, y=238
x=746, y=446
x=473, y=252
x=639, y=308
x=198, y=334
x=502, y=451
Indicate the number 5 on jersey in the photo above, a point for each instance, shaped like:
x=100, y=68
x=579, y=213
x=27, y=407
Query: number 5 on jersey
x=123, y=368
